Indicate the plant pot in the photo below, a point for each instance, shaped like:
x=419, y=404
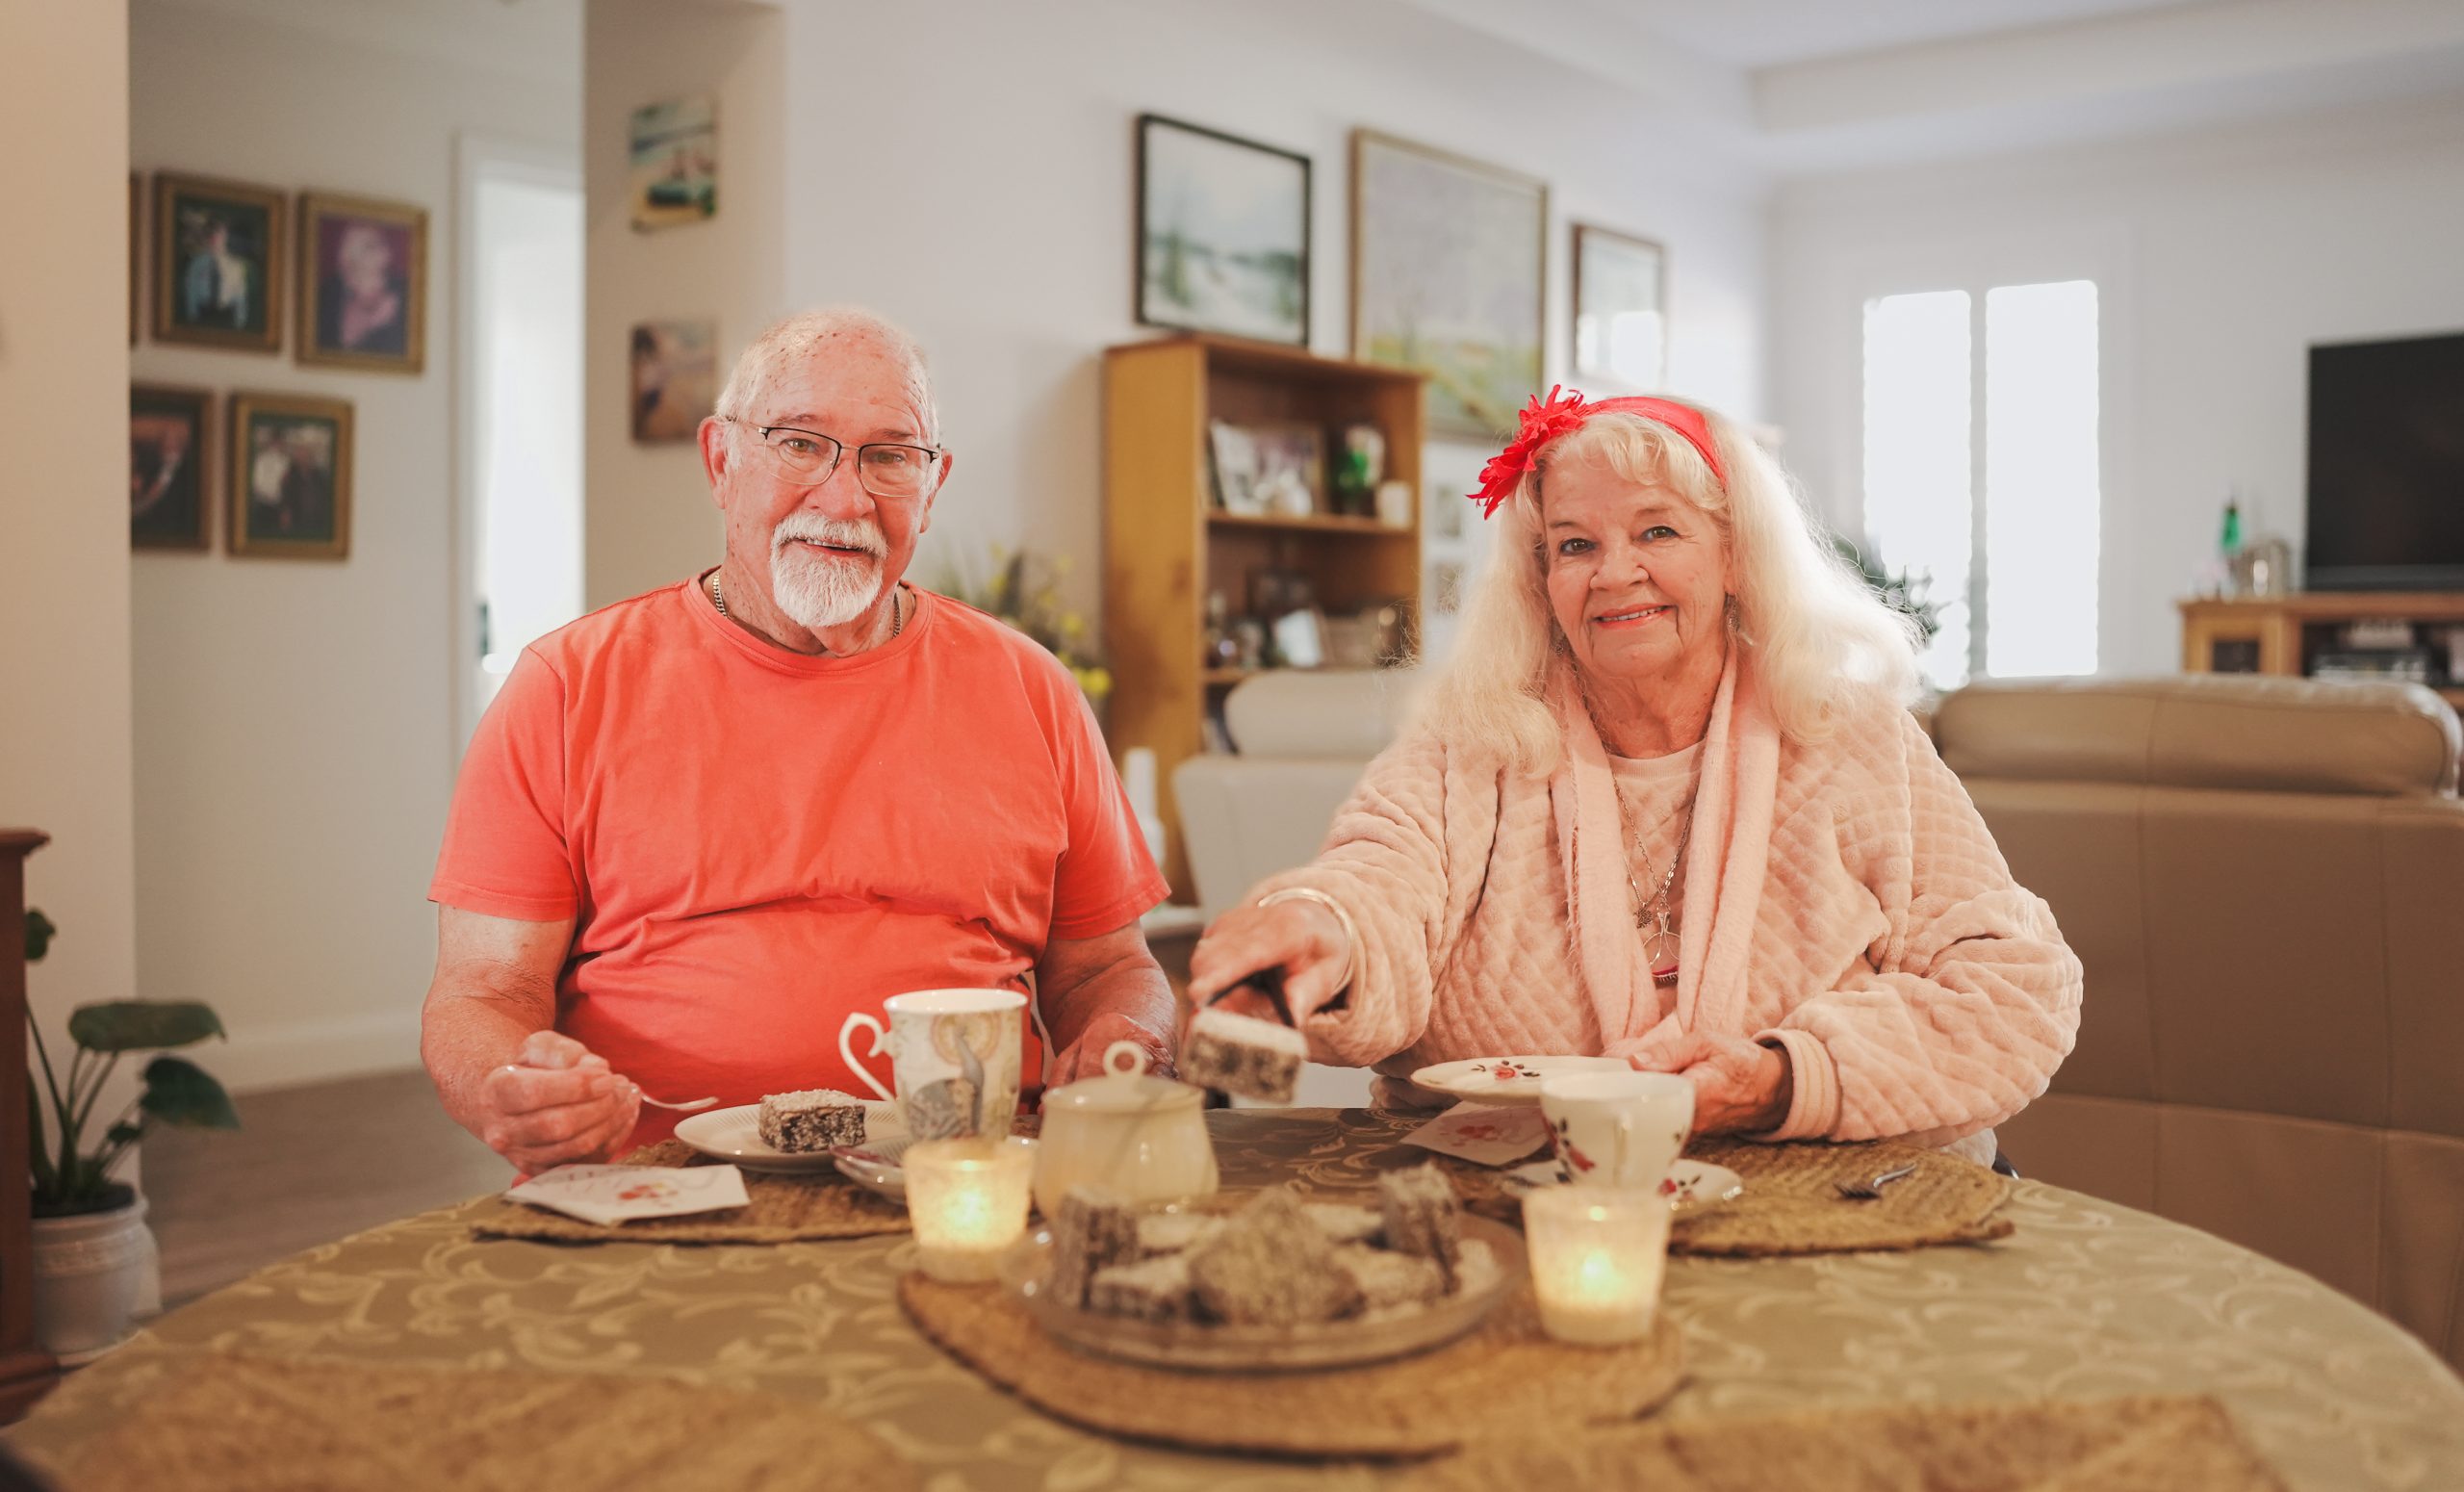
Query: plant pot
x=90, y=1276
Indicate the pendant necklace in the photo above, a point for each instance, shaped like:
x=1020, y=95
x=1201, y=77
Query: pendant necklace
x=1652, y=916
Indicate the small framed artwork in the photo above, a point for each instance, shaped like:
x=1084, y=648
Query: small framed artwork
x=1233, y=457
x=675, y=378
x=217, y=264
x=171, y=456
x=1222, y=233
x=1449, y=277
x=675, y=164
x=136, y=249
x=1292, y=469
x=363, y=283
x=289, y=477
x=1621, y=311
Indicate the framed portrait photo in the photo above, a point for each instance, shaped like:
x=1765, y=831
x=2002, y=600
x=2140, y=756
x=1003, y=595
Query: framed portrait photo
x=1447, y=277
x=217, y=264
x=1621, y=312
x=363, y=283
x=289, y=477
x=171, y=462
x=1222, y=233
x=675, y=378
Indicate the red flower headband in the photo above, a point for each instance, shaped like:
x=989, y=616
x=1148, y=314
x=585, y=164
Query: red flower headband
x=1545, y=419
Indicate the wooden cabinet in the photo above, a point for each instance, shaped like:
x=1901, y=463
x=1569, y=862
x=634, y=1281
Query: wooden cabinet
x=2286, y=634
x=1167, y=545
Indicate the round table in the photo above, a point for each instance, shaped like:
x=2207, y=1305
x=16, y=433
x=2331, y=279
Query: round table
x=2086, y=1299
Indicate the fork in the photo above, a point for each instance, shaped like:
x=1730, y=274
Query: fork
x=1867, y=1191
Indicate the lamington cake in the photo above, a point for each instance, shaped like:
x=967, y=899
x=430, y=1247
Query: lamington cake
x=1424, y=1217
x=813, y=1119
x=1096, y=1230
x=1344, y=1222
x=1387, y=1279
x=1242, y=1055
x=1171, y=1232
x=1271, y=1265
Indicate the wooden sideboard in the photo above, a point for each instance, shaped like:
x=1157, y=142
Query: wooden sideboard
x=2285, y=635
x=26, y=1370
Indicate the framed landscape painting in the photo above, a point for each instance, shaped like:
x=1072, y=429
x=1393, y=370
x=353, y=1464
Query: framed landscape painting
x=171, y=456
x=1222, y=233
x=1447, y=277
x=1621, y=312
x=217, y=264
x=363, y=283
x=675, y=163
x=289, y=477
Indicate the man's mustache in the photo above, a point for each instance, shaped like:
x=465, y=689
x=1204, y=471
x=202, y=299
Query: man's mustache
x=842, y=532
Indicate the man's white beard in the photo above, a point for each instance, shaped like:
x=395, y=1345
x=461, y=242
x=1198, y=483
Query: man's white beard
x=819, y=591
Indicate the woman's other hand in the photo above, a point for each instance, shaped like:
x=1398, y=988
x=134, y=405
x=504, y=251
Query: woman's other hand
x=1302, y=938
x=1739, y=1086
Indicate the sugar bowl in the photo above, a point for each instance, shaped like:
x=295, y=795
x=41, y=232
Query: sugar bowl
x=1140, y=1136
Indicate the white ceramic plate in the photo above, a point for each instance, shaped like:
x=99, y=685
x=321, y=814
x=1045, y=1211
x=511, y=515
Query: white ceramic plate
x=1688, y=1184
x=1508, y=1079
x=735, y=1135
x=874, y=1165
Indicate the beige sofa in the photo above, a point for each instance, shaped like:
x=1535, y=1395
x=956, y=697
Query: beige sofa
x=2265, y=880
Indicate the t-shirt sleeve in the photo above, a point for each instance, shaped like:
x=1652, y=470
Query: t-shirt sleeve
x=505, y=852
x=1105, y=878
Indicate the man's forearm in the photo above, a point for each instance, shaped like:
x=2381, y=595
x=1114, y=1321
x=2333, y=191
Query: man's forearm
x=464, y=1036
x=1133, y=987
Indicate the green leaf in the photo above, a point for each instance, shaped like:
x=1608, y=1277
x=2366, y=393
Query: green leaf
x=179, y=1092
x=142, y=1025
x=124, y=1133
x=40, y=932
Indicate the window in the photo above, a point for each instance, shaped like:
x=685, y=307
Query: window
x=2015, y=576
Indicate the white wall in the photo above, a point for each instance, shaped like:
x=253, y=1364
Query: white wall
x=647, y=514
x=293, y=719
x=1010, y=133
x=2222, y=256
x=64, y=530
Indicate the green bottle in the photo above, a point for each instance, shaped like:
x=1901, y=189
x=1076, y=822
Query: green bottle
x=2232, y=541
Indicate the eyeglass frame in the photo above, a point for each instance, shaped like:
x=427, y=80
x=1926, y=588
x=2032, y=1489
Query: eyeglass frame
x=936, y=454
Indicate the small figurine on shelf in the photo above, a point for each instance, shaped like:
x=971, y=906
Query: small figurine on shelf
x=1222, y=648
x=1359, y=467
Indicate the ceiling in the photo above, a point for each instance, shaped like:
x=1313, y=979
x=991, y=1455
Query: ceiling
x=1753, y=33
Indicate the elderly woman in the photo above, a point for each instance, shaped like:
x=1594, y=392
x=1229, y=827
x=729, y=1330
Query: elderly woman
x=1667, y=803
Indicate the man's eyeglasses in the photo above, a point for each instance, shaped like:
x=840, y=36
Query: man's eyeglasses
x=886, y=468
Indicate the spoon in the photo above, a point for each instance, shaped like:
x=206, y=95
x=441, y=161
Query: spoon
x=689, y=1106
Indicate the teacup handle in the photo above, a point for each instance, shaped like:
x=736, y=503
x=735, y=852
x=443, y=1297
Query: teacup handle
x=847, y=1049
x=1124, y=1057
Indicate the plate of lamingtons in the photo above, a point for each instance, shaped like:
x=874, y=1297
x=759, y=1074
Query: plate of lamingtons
x=1270, y=1280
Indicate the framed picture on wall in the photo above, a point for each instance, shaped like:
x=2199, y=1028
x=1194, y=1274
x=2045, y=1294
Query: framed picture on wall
x=135, y=251
x=1222, y=233
x=1621, y=312
x=289, y=477
x=1449, y=277
x=217, y=264
x=171, y=462
x=675, y=378
x=675, y=150
x=363, y=283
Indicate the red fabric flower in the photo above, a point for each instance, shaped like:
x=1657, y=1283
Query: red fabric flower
x=1543, y=420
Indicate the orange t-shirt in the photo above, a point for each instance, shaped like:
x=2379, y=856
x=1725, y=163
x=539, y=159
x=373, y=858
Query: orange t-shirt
x=755, y=843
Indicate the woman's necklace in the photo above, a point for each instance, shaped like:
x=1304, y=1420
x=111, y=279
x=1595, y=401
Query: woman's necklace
x=1652, y=916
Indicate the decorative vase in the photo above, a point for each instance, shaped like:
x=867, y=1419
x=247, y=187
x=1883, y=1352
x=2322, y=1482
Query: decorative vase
x=90, y=1276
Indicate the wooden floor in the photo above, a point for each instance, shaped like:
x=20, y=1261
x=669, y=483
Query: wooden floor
x=308, y=1166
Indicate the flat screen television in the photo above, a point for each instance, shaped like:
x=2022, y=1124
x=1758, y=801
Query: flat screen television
x=2387, y=465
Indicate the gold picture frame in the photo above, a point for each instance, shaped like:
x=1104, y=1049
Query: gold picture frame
x=289, y=476
x=171, y=467
x=363, y=283
x=220, y=253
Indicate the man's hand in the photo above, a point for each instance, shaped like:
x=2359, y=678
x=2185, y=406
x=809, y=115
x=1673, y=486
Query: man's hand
x=1739, y=1086
x=555, y=1104
x=1084, y=1057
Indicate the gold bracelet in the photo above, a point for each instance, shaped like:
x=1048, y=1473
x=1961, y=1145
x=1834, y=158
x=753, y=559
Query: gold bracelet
x=1351, y=933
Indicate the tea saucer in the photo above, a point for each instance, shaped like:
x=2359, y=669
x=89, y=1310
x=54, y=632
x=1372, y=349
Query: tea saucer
x=874, y=1165
x=1508, y=1079
x=735, y=1135
x=1687, y=1184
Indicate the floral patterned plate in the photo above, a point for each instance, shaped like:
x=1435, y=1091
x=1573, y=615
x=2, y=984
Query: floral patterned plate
x=1508, y=1079
x=1687, y=1184
x=735, y=1135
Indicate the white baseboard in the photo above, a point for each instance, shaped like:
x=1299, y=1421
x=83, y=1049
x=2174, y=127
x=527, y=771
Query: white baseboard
x=314, y=1051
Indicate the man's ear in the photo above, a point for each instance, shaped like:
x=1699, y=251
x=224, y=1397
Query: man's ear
x=946, y=463
x=715, y=453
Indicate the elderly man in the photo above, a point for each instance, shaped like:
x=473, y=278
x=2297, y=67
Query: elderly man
x=699, y=828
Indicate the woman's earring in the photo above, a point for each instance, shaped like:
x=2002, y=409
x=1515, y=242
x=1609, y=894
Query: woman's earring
x=1733, y=623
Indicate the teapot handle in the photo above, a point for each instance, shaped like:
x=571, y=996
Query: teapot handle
x=1125, y=1058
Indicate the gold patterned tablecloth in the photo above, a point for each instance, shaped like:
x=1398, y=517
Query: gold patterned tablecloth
x=2086, y=1299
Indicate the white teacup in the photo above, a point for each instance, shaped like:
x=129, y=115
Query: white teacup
x=1621, y=1129
x=954, y=1059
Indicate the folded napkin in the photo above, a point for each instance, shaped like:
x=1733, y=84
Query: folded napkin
x=1485, y=1134
x=626, y=1194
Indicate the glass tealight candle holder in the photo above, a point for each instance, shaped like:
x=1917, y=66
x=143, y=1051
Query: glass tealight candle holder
x=1597, y=1255
x=967, y=1201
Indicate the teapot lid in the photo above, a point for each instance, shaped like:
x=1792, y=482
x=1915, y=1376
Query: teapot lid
x=1125, y=1088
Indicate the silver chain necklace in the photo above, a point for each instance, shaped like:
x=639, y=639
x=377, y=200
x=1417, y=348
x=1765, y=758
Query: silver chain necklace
x=897, y=614
x=1652, y=916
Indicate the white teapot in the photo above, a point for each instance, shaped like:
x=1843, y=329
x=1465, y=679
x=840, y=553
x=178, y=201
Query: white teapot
x=1141, y=1137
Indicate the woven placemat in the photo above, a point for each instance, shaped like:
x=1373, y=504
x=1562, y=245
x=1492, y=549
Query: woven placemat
x=1792, y=1204
x=2120, y=1444
x=1505, y=1377
x=218, y=1420
x=783, y=1209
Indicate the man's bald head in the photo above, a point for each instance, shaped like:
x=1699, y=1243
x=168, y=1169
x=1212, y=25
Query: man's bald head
x=816, y=335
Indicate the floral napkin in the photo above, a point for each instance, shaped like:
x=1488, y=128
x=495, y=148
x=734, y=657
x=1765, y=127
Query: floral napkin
x=622, y=1194
x=1485, y=1134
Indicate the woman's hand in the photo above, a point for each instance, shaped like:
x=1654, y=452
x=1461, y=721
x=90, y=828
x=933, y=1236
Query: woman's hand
x=1739, y=1086
x=1301, y=936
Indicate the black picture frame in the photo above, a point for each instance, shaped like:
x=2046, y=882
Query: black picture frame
x=1263, y=294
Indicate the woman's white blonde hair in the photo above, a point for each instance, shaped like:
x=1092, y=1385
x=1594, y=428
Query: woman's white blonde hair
x=1820, y=643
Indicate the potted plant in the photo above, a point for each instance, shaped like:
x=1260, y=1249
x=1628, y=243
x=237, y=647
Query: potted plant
x=93, y=1254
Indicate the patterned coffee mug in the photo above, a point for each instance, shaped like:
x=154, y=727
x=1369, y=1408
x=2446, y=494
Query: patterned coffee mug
x=954, y=1059
x=1621, y=1129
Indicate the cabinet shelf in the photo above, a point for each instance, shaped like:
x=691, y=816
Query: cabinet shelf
x=1320, y=523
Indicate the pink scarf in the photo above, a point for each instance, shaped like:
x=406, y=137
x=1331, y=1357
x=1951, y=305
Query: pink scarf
x=1727, y=855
